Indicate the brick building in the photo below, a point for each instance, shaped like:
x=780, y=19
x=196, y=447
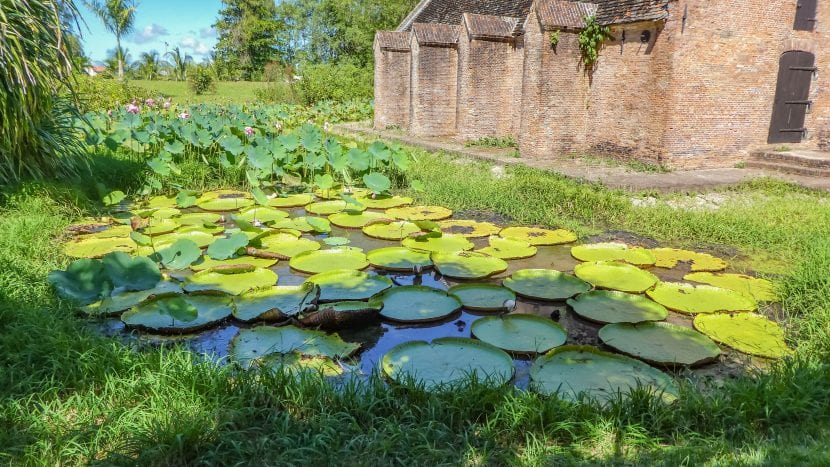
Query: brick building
x=686, y=83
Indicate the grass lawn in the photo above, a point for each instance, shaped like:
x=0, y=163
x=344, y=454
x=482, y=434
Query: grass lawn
x=70, y=396
x=226, y=91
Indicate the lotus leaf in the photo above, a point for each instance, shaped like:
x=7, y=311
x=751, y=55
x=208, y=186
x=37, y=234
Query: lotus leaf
x=303, y=224
x=271, y=304
x=291, y=201
x=417, y=304
x=131, y=274
x=340, y=285
x=326, y=208
x=669, y=257
x=161, y=202
x=314, y=262
x=341, y=315
x=384, y=201
x=84, y=281
x=250, y=345
x=761, y=290
x=613, y=252
x=179, y=314
x=159, y=227
x=447, y=361
x=226, y=248
x=508, y=248
x=398, y=258
x=198, y=218
x=438, y=243
x=539, y=237
x=545, y=284
x=419, y=213
x=391, y=230
x=354, y=219
x=469, y=228
x=377, y=182
x=694, y=299
x=288, y=245
x=126, y=300
x=468, y=265
x=615, y=276
x=294, y=363
x=234, y=284
x=660, y=343
x=225, y=202
x=610, y=306
x=520, y=334
x=261, y=214
x=483, y=297
x=97, y=247
x=179, y=255
x=197, y=236
x=209, y=263
x=573, y=371
x=749, y=333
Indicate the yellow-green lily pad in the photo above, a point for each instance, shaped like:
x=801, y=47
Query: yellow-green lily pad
x=117, y=303
x=614, y=275
x=468, y=265
x=759, y=289
x=539, y=237
x=160, y=226
x=315, y=262
x=417, y=304
x=181, y=314
x=749, y=333
x=326, y=208
x=355, y=219
x=611, y=306
x=338, y=192
x=508, y=248
x=398, y=258
x=694, y=299
x=419, y=213
x=224, y=201
x=438, y=244
x=261, y=214
x=484, y=297
x=201, y=238
x=288, y=245
x=390, y=230
x=291, y=201
x=384, y=201
x=161, y=202
x=97, y=247
x=614, y=252
x=250, y=345
x=295, y=363
x=545, y=284
x=519, y=333
x=206, y=262
x=669, y=257
x=270, y=304
x=348, y=285
x=302, y=224
x=469, y=228
x=232, y=282
x=662, y=344
x=198, y=218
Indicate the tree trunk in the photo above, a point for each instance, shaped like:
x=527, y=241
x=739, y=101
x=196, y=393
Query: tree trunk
x=120, y=58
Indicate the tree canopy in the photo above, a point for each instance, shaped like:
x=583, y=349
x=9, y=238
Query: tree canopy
x=249, y=35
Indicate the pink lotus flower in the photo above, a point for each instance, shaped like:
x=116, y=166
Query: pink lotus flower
x=150, y=102
x=249, y=131
x=184, y=115
x=109, y=113
x=166, y=105
x=133, y=109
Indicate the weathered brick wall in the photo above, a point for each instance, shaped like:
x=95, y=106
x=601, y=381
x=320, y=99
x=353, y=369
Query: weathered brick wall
x=434, y=90
x=392, y=93
x=489, y=87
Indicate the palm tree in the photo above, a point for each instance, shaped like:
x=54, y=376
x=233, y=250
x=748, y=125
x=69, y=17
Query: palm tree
x=118, y=17
x=118, y=58
x=179, y=63
x=149, y=64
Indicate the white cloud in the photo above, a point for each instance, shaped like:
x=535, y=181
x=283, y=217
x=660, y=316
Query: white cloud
x=194, y=45
x=207, y=33
x=150, y=33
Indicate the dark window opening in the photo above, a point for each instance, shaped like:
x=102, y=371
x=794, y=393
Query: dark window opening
x=805, y=15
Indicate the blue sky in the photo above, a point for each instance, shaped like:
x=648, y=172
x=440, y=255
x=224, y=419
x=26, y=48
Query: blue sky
x=182, y=23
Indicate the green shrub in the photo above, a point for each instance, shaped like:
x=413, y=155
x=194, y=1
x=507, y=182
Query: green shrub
x=330, y=82
x=96, y=93
x=277, y=92
x=201, y=80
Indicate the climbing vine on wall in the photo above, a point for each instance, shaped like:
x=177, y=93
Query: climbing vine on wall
x=554, y=38
x=590, y=40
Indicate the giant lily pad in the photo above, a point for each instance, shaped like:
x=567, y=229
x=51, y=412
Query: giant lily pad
x=354, y=219
x=270, y=304
x=468, y=265
x=483, y=297
x=161, y=202
x=669, y=257
x=295, y=363
x=341, y=285
x=196, y=235
x=384, y=201
x=161, y=226
x=749, y=333
x=341, y=315
x=615, y=276
x=116, y=231
x=419, y=213
x=398, y=258
x=224, y=202
x=250, y=345
x=338, y=192
x=508, y=248
x=207, y=263
x=613, y=252
x=573, y=371
x=291, y=201
x=694, y=299
x=326, y=208
x=232, y=282
x=287, y=245
x=97, y=247
x=303, y=224
x=84, y=281
x=124, y=301
x=314, y=262
x=545, y=284
x=660, y=343
x=521, y=334
x=610, y=306
x=160, y=213
x=179, y=314
x=539, y=237
x=261, y=214
x=447, y=361
x=417, y=304
x=759, y=289
x=129, y=273
x=198, y=218
x=391, y=230
x=438, y=244
x=469, y=228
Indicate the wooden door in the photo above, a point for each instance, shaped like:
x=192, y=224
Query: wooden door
x=792, y=94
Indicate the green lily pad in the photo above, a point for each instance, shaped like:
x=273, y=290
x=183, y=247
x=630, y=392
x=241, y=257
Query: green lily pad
x=261, y=214
x=160, y=213
x=84, y=281
x=314, y=262
x=508, y=248
x=438, y=244
x=749, y=333
x=545, y=284
x=288, y=245
x=391, y=230
x=326, y=208
x=250, y=345
x=468, y=265
x=573, y=371
x=660, y=343
x=354, y=219
x=234, y=284
x=349, y=285
x=270, y=304
x=338, y=192
x=295, y=363
x=615, y=276
x=521, y=334
x=198, y=218
x=198, y=236
x=291, y=201
x=97, y=247
x=694, y=299
x=336, y=241
x=539, y=237
x=341, y=315
x=761, y=290
x=614, y=252
x=417, y=304
x=611, y=306
x=483, y=297
x=303, y=224
x=179, y=255
x=384, y=201
x=419, y=213
x=447, y=361
x=469, y=228
x=226, y=248
x=398, y=258
x=209, y=263
x=117, y=303
x=669, y=257
x=224, y=202
x=161, y=226
x=115, y=231
x=162, y=202
x=179, y=314
x=131, y=274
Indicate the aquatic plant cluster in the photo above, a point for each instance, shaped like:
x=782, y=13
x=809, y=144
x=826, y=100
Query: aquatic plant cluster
x=296, y=268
